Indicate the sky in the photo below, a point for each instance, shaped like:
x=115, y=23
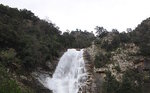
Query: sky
x=87, y=14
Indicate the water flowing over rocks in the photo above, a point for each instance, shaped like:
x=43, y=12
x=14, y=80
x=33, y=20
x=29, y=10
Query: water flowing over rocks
x=75, y=73
x=70, y=74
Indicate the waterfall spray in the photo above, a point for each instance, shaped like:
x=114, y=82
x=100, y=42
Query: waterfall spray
x=70, y=73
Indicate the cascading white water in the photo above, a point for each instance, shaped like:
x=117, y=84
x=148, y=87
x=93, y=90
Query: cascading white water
x=70, y=73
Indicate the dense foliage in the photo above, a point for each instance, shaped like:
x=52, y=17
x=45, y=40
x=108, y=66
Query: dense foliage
x=35, y=41
x=141, y=37
x=131, y=83
x=110, y=41
x=77, y=39
x=113, y=39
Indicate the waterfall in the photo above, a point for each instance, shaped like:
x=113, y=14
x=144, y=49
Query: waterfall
x=70, y=73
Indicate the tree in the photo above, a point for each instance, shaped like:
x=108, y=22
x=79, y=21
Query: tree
x=111, y=85
x=101, y=59
x=115, y=31
x=100, y=31
x=129, y=30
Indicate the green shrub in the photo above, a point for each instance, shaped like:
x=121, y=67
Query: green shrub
x=8, y=56
x=130, y=83
x=8, y=85
x=110, y=46
x=110, y=85
x=101, y=59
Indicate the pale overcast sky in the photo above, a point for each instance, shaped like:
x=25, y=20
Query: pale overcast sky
x=86, y=14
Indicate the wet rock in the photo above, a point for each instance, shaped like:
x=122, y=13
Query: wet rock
x=49, y=65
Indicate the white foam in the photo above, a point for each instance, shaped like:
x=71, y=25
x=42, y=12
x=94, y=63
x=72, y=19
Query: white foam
x=69, y=74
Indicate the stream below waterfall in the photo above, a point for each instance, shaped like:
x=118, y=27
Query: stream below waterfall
x=70, y=73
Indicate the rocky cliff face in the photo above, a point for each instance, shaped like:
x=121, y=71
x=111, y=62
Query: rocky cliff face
x=121, y=60
x=89, y=68
x=95, y=80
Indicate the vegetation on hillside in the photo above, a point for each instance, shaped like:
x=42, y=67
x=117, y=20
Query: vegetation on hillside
x=8, y=84
x=27, y=42
x=33, y=41
x=131, y=83
x=109, y=42
x=141, y=37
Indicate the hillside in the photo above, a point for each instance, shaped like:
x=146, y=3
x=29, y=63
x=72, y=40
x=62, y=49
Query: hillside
x=121, y=60
x=29, y=44
x=116, y=62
